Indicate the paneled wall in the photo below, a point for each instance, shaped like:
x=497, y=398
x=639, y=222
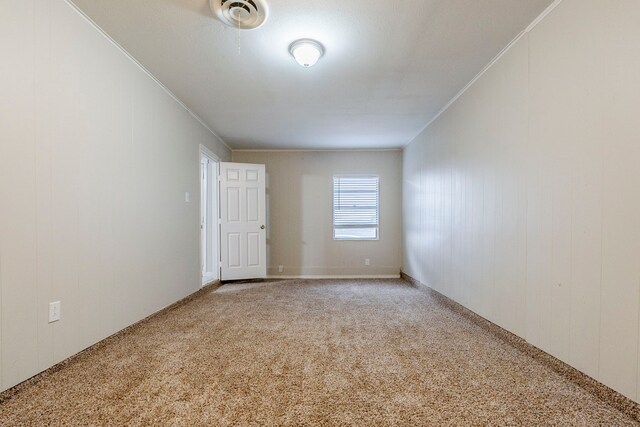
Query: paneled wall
x=299, y=212
x=522, y=200
x=95, y=160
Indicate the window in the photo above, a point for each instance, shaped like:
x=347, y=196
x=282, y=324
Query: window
x=355, y=207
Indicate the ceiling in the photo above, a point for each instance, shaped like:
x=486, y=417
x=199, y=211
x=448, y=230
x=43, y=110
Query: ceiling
x=389, y=67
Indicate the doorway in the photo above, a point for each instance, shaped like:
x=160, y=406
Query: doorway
x=209, y=216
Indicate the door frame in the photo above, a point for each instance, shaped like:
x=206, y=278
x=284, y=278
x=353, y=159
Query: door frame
x=209, y=268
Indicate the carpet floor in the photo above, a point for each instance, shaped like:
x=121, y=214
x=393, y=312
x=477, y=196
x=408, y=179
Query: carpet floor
x=325, y=353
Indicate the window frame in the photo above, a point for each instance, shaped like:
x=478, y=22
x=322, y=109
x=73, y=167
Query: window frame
x=345, y=227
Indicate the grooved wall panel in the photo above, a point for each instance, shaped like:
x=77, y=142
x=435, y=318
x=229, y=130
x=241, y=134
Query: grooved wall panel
x=522, y=200
x=95, y=158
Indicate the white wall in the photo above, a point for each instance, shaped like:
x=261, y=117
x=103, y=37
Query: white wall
x=95, y=158
x=299, y=204
x=522, y=200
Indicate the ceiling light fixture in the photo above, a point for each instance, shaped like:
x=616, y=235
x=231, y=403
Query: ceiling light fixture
x=306, y=52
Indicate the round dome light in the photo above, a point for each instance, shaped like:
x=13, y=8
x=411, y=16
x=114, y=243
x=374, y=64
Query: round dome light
x=306, y=52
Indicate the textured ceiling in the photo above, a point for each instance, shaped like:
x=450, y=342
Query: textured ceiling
x=390, y=65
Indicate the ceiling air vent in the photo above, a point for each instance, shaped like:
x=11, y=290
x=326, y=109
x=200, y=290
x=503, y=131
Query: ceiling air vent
x=243, y=14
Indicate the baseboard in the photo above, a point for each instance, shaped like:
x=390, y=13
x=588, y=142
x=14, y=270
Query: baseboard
x=12, y=391
x=347, y=276
x=591, y=385
x=209, y=281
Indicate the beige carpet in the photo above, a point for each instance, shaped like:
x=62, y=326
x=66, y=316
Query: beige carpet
x=308, y=353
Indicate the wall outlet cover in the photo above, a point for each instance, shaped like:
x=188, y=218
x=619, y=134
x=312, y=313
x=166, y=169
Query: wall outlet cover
x=54, y=311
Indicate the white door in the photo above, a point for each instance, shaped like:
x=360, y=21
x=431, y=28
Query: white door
x=243, y=221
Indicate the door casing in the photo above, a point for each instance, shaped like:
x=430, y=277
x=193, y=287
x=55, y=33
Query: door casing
x=209, y=216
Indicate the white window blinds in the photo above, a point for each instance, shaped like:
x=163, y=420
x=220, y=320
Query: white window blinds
x=355, y=207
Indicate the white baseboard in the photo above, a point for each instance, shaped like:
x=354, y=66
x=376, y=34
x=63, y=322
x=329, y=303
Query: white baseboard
x=379, y=276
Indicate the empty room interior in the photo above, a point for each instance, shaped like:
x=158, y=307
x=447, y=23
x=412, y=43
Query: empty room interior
x=320, y=213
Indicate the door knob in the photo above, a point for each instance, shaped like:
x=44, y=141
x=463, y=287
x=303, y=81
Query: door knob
x=262, y=227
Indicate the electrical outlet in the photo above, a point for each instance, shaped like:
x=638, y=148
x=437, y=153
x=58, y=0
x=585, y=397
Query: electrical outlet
x=280, y=268
x=367, y=261
x=54, y=311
